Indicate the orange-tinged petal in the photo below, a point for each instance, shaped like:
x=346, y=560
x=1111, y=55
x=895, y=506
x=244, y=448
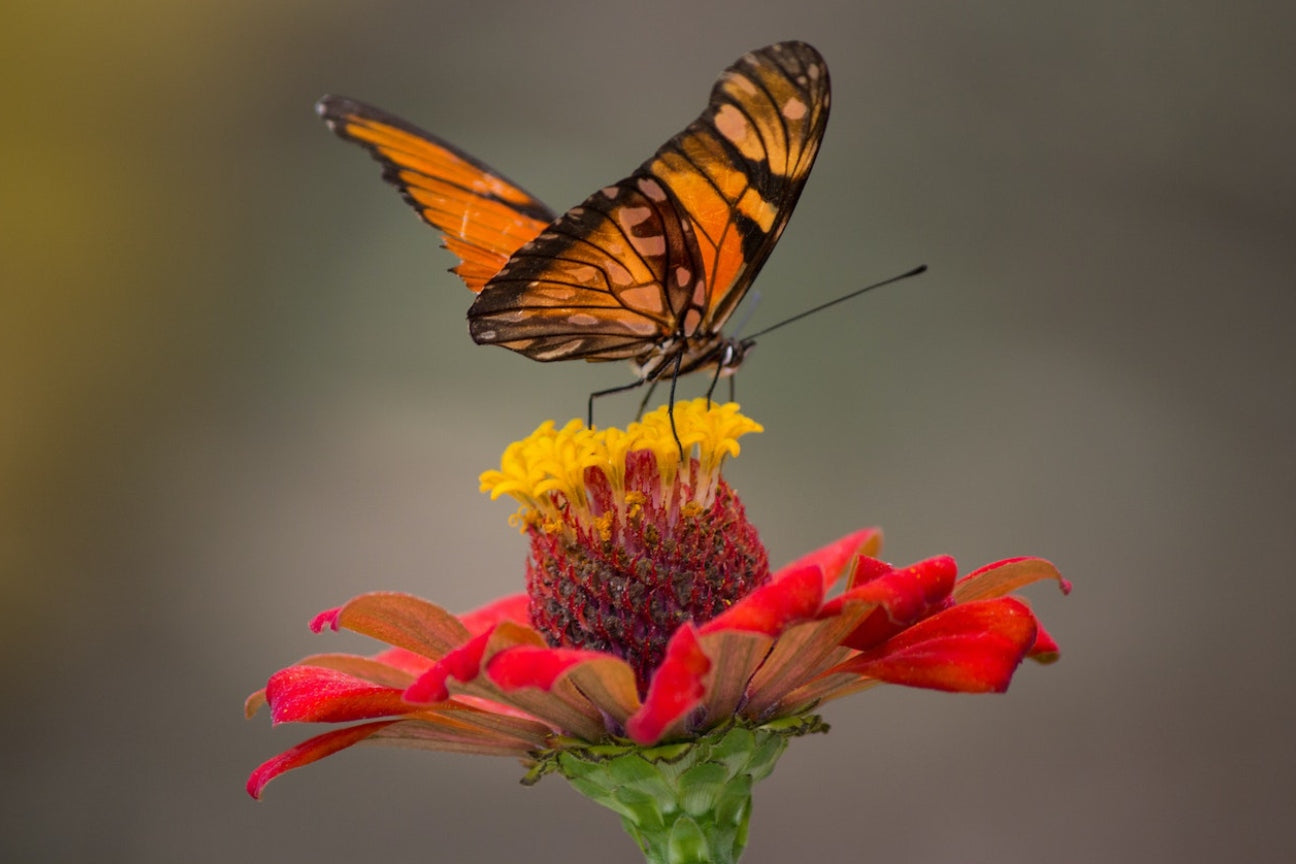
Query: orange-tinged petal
x=398, y=619
x=1002, y=577
x=379, y=669
x=799, y=655
x=735, y=657
x=609, y=684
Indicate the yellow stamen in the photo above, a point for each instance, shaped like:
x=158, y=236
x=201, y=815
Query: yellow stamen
x=545, y=471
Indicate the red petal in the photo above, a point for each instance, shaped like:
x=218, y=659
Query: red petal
x=834, y=557
x=901, y=597
x=866, y=570
x=310, y=751
x=534, y=666
x=1045, y=650
x=971, y=647
x=795, y=596
x=320, y=695
x=676, y=688
x=464, y=663
x=328, y=618
x=512, y=608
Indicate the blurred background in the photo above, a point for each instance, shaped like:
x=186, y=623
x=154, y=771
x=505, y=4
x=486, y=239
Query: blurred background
x=237, y=389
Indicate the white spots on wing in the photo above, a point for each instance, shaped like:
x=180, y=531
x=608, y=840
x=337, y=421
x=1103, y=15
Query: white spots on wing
x=732, y=124
x=827, y=97
x=700, y=295
x=610, y=192
x=744, y=84
x=682, y=276
x=553, y=292
x=582, y=319
x=619, y=274
x=692, y=319
x=557, y=351
x=632, y=216
x=794, y=109
x=649, y=246
x=510, y=316
x=645, y=298
x=486, y=336
x=652, y=189
x=814, y=71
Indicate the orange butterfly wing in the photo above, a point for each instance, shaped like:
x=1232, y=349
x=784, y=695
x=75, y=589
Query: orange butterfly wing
x=663, y=257
x=483, y=217
x=738, y=170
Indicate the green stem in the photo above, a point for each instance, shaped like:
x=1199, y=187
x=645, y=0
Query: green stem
x=683, y=803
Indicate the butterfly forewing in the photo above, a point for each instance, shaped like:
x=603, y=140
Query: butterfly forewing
x=483, y=217
x=738, y=170
x=665, y=255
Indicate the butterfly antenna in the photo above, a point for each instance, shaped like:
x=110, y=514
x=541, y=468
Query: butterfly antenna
x=749, y=309
x=842, y=299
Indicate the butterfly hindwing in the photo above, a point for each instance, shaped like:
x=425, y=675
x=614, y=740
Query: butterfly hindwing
x=483, y=217
x=607, y=281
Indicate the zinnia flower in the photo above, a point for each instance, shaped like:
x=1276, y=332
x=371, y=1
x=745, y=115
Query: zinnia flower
x=654, y=660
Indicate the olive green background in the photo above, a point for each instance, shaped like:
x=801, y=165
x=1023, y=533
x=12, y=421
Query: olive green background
x=237, y=389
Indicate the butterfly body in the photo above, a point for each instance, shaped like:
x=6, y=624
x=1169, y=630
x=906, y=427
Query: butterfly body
x=647, y=269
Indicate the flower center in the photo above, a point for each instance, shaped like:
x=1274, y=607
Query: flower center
x=627, y=542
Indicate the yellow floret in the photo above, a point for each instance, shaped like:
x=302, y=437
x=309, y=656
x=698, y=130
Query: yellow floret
x=546, y=470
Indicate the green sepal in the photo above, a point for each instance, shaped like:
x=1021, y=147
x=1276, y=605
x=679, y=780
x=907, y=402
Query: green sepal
x=685, y=802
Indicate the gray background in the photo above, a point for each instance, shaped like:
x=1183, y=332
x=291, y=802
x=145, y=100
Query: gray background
x=239, y=390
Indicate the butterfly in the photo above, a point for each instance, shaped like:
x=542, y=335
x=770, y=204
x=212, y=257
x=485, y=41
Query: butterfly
x=648, y=269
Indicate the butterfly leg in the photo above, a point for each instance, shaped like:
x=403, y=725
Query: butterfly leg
x=715, y=379
x=679, y=358
x=589, y=420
